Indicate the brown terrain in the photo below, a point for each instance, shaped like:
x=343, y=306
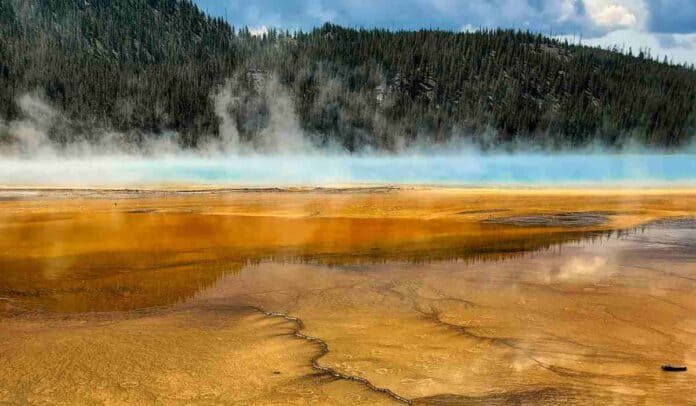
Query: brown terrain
x=347, y=296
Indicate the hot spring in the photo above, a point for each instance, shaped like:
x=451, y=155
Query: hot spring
x=318, y=170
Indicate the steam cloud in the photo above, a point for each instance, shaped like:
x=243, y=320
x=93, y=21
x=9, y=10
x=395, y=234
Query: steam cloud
x=29, y=137
x=282, y=153
x=229, y=135
x=279, y=130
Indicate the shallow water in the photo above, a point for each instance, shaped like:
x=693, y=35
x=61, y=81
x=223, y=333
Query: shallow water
x=456, y=169
x=586, y=322
x=371, y=297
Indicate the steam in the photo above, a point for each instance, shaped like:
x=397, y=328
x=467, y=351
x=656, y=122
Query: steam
x=282, y=152
x=29, y=136
x=284, y=133
x=314, y=169
x=229, y=135
x=261, y=105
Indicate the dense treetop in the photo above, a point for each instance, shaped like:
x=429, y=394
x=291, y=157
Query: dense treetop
x=151, y=67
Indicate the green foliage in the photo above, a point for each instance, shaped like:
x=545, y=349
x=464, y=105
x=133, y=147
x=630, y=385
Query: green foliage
x=152, y=65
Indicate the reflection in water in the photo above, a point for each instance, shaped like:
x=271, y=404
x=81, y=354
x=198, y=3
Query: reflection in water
x=131, y=261
x=137, y=304
x=577, y=267
x=591, y=322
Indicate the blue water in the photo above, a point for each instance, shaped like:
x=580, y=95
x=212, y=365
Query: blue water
x=464, y=169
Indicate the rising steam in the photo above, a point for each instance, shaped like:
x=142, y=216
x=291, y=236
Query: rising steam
x=223, y=101
x=282, y=153
x=30, y=136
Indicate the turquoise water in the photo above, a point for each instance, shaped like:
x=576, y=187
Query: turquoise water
x=464, y=169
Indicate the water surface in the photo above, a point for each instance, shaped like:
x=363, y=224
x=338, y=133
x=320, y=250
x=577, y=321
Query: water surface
x=374, y=296
x=457, y=169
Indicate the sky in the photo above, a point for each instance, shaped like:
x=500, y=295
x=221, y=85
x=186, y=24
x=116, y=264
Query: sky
x=666, y=27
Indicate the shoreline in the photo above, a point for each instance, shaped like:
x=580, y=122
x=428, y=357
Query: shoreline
x=355, y=187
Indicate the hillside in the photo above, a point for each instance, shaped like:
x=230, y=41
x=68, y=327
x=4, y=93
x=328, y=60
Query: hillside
x=154, y=67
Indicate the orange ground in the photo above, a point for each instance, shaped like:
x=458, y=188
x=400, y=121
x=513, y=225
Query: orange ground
x=121, y=297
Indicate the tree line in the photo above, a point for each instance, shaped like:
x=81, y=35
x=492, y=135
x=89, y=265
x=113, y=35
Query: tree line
x=151, y=66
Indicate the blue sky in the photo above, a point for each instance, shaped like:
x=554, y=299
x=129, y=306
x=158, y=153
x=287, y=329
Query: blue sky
x=665, y=26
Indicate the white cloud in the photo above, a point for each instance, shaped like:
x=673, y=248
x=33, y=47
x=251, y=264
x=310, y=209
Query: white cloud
x=565, y=10
x=678, y=47
x=317, y=11
x=442, y=6
x=617, y=13
x=258, y=31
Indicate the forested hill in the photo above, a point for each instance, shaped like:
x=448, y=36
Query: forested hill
x=153, y=67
